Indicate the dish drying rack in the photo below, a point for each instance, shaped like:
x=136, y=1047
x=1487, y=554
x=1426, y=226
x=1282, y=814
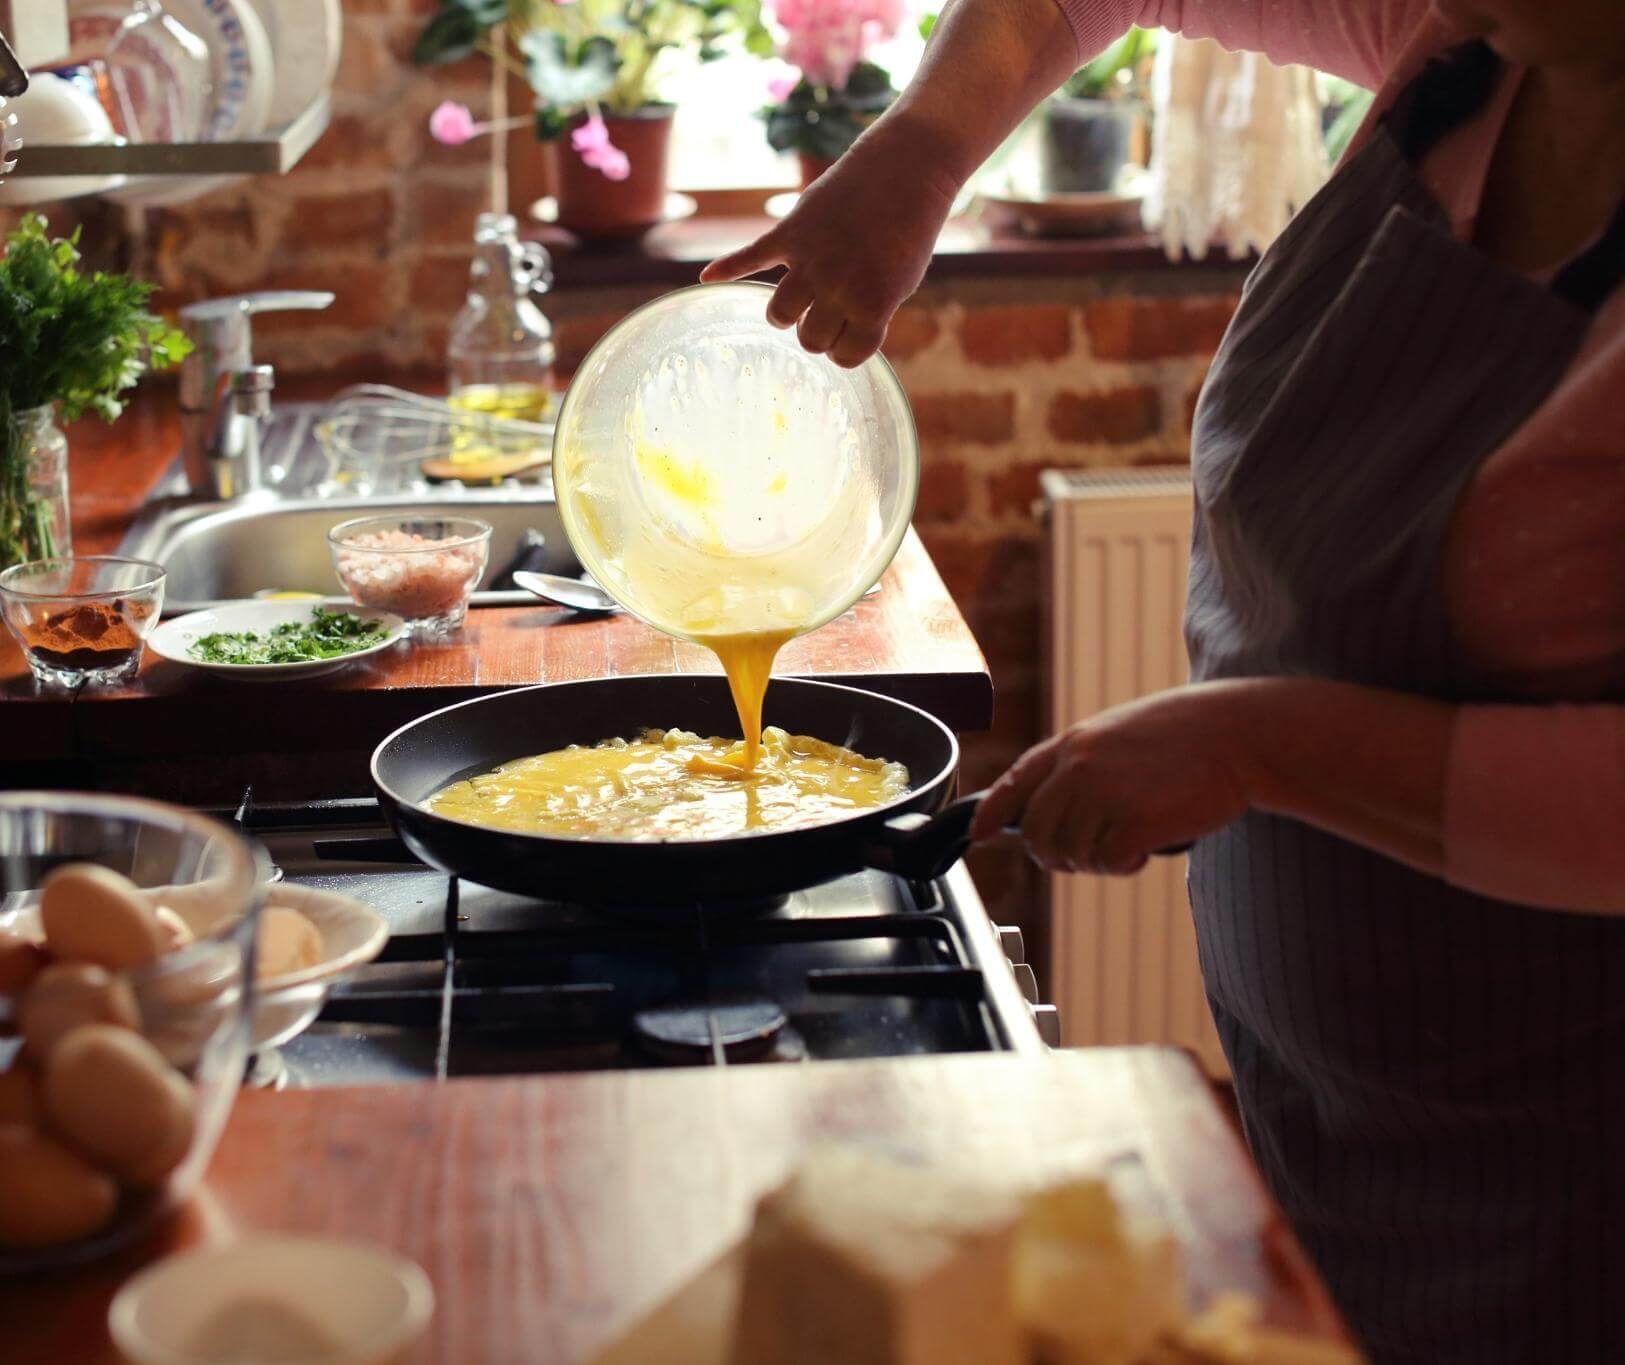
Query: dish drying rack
x=274, y=152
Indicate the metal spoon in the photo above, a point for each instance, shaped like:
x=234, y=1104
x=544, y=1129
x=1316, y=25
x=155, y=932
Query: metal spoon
x=567, y=592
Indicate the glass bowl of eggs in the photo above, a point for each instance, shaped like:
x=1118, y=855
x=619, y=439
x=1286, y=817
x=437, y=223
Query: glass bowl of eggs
x=127, y=944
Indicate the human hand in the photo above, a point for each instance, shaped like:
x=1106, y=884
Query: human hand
x=1107, y=793
x=856, y=244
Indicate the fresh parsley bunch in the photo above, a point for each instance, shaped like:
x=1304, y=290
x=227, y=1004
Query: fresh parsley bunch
x=74, y=339
x=70, y=338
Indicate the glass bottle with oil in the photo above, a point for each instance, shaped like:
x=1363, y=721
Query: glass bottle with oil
x=500, y=357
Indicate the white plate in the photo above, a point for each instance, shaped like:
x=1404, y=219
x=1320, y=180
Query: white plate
x=305, y=39
x=243, y=71
x=173, y=639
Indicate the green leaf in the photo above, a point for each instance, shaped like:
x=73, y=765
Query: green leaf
x=556, y=80
x=448, y=37
x=927, y=25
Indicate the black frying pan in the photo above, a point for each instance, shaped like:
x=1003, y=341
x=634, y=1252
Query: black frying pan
x=918, y=836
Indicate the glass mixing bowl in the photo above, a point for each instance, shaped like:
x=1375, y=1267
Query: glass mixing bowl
x=717, y=479
x=193, y=1004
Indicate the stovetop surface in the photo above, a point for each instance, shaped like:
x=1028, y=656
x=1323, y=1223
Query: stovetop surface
x=475, y=981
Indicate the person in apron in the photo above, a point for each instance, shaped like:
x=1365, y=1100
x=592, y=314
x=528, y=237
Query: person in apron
x=1428, y=1047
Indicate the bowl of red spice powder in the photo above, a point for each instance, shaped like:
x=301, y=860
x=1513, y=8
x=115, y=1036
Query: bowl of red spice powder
x=82, y=619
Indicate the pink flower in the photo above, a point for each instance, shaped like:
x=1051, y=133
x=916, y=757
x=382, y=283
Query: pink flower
x=780, y=85
x=451, y=124
x=592, y=144
x=827, y=38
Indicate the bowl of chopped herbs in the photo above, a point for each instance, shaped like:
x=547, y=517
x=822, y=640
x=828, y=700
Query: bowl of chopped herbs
x=272, y=640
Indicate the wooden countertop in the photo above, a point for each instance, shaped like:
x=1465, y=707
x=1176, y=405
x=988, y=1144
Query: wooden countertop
x=551, y=1212
x=909, y=641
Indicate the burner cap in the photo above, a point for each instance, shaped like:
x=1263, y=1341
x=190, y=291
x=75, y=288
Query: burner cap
x=693, y=1032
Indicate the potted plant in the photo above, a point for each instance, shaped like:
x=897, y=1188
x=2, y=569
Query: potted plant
x=70, y=343
x=1086, y=125
x=593, y=68
x=835, y=94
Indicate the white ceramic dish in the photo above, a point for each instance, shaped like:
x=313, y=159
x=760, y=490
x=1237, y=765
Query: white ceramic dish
x=306, y=36
x=366, y=1302
x=54, y=110
x=173, y=639
x=353, y=934
x=242, y=73
x=1069, y=215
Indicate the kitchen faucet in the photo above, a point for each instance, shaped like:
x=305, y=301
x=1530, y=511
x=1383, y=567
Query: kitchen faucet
x=224, y=395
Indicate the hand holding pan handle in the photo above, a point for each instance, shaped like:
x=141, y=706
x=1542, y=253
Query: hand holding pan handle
x=923, y=847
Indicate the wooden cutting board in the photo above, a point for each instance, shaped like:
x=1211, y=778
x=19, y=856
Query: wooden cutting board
x=553, y=1213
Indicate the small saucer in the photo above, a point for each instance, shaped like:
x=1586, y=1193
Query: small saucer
x=676, y=208
x=353, y=1303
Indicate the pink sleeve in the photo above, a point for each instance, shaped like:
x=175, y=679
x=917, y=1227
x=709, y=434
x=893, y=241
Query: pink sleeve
x=1356, y=39
x=1534, y=805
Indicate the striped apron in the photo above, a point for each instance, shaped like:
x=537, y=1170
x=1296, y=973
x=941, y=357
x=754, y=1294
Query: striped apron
x=1429, y=1078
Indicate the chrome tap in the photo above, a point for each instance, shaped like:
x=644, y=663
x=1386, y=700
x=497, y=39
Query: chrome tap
x=224, y=395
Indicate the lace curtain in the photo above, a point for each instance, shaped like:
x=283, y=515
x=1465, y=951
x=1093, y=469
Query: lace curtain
x=1238, y=147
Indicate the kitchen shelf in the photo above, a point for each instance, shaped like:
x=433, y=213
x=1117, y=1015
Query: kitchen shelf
x=272, y=153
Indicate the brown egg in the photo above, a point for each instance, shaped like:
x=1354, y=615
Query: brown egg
x=92, y=914
x=20, y=962
x=177, y=932
x=48, y=1195
x=287, y=942
x=115, y=1100
x=19, y=1097
x=66, y=996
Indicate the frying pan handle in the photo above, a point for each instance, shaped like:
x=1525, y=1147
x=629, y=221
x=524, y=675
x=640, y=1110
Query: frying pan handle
x=923, y=847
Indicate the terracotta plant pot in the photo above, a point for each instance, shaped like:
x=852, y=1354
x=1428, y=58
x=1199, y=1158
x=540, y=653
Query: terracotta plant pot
x=812, y=166
x=593, y=205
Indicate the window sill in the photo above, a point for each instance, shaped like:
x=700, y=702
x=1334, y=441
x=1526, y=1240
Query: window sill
x=674, y=253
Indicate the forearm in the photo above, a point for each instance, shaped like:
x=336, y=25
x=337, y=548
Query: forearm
x=1522, y=803
x=1363, y=763
x=989, y=62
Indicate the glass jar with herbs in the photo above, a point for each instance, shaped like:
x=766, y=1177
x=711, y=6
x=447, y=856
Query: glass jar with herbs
x=72, y=341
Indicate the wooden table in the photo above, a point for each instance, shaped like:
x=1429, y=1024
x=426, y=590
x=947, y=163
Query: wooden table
x=550, y=1212
x=189, y=736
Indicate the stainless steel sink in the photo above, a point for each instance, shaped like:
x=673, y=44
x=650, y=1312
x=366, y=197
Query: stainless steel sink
x=224, y=552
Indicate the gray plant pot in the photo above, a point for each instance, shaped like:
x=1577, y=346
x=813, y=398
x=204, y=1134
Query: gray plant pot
x=1084, y=144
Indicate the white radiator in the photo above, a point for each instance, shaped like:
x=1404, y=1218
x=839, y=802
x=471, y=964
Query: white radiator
x=1117, y=548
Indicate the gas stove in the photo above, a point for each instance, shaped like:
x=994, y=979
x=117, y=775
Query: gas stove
x=481, y=982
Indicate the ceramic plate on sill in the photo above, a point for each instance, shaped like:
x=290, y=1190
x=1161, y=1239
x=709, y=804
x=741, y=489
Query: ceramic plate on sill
x=174, y=638
x=1069, y=215
x=677, y=208
x=306, y=36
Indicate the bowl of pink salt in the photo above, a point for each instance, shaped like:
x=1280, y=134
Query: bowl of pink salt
x=423, y=569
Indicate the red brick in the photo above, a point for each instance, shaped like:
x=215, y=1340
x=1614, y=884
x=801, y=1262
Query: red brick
x=352, y=142
x=365, y=296
x=573, y=337
x=1117, y=415
x=1015, y=487
x=441, y=211
x=364, y=220
x=944, y=490
x=368, y=63
x=439, y=286
x=980, y=568
x=911, y=331
x=1124, y=328
x=1008, y=336
x=978, y=418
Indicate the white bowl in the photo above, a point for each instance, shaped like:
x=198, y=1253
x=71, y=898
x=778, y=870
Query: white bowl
x=366, y=1302
x=54, y=110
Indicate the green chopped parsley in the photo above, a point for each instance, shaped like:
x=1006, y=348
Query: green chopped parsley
x=327, y=635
